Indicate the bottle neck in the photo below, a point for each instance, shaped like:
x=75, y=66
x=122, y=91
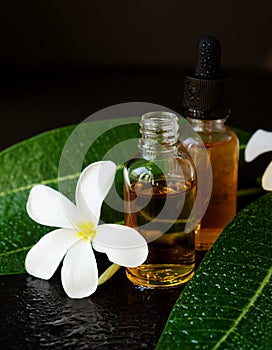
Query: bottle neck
x=202, y=125
x=160, y=133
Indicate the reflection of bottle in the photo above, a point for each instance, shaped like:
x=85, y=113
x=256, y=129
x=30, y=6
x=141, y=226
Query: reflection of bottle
x=206, y=106
x=160, y=191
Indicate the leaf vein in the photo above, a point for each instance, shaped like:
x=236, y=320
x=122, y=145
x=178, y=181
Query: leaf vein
x=246, y=309
x=45, y=182
x=15, y=251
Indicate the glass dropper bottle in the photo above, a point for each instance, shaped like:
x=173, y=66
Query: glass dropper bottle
x=206, y=105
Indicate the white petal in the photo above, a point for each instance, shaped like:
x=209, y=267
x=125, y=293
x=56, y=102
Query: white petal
x=93, y=185
x=79, y=274
x=260, y=142
x=51, y=208
x=267, y=178
x=122, y=244
x=45, y=256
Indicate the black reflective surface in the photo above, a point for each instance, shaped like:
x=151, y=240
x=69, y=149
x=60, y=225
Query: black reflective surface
x=37, y=314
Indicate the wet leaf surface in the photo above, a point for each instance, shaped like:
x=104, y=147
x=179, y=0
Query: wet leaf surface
x=227, y=304
x=36, y=161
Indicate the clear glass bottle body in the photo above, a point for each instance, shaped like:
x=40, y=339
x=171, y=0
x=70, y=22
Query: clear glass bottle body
x=222, y=146
x=159, y=192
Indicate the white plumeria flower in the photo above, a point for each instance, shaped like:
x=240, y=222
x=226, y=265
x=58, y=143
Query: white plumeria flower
x=79, y=232
x=261, y=142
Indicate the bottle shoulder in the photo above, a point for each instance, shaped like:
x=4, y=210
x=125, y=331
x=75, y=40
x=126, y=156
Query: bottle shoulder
x=214, y=131
x=179, y=165
x=219, y=137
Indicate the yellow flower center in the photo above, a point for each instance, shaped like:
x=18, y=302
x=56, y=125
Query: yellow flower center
x=87, y=231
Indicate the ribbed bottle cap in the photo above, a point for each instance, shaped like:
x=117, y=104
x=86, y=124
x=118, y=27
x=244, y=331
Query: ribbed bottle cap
x=207, y=89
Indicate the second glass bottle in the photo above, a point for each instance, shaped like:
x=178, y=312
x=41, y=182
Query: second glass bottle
x=159, y=193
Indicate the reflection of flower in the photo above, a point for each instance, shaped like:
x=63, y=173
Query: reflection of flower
x=261, y=142
x=79, y=226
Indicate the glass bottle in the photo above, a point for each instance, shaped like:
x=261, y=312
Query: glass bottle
x=222, y=146
x=206, y=105
x=159, y=193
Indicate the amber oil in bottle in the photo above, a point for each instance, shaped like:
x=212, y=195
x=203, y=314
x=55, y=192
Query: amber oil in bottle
x=222, y=146
x=159, y=192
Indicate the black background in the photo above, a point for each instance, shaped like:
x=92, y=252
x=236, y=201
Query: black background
x=62, y=61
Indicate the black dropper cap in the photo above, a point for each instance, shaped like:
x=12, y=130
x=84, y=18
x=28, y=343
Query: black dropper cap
x=207, y=89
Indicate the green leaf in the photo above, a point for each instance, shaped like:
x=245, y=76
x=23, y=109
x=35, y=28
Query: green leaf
x=227, y=304
x=17, y=235
x=36, y=160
